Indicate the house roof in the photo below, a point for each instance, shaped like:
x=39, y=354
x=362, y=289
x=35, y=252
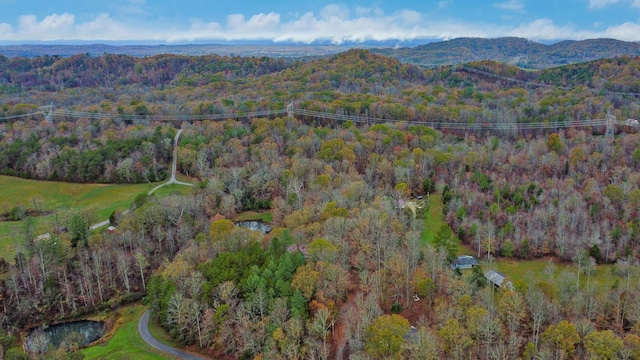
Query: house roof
x=465, y=260
x=498, y=278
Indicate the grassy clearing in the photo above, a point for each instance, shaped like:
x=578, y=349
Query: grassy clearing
x=105, y=198
x=265, y=217
x=434, y=220
x=173, y=188
x=526, y=271
x=11, y=238
x=533, y=271
x=8, y=229
x=126, y=343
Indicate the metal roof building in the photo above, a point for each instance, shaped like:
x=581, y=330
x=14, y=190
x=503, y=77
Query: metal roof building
x=464, y=262
x=498, y=279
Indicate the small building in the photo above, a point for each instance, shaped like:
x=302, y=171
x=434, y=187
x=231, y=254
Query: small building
x=464, y=262
x=111, y=229
x=498, y=279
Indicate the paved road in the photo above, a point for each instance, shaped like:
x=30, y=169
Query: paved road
x=143, y=329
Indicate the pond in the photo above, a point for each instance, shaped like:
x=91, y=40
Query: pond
x=82, y=332
x=255, y=225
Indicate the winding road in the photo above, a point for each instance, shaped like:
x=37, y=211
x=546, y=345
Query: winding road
x=143, y=324
x=143, y=329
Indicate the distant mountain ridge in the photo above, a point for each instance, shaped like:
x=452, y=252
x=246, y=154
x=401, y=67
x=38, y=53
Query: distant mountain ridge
x=509, y=50
x=142, y=50
x=517, y=51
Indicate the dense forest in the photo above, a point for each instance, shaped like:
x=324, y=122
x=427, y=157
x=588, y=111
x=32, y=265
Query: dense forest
x=335, y=189
x=512, y=50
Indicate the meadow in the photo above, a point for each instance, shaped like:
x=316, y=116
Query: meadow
x=103, y=199
x=126, y=343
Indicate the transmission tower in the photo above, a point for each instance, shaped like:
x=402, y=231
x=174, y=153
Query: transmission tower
x=47, y=111
x=290, y=110
x=611, y=125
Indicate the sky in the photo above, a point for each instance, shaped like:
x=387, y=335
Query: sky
x=336, y=22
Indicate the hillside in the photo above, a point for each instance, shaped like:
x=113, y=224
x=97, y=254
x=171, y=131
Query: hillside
x=521, y=52
x=556, y=190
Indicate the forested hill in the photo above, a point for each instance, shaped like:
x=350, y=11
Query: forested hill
x=558, y=189
x=521, y=52
x=356, y=82
x=55, y=72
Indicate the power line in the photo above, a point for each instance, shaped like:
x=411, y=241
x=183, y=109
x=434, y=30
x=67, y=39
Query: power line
x=168, y=117
x=453, y=125
x=442, y=125
x=13, y=117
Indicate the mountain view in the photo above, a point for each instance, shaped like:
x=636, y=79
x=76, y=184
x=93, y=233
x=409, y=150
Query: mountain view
x=331, y=181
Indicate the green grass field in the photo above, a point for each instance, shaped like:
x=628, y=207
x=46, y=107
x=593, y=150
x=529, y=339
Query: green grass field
x=434, y=220
x=254, y=216
x=126, y=343
x=532, y=271
x=103, y=198
x=527, y=271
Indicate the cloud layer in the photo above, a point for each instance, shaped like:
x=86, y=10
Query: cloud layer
x=334, y=23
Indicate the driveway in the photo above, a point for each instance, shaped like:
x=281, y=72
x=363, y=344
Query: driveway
x=143, y=330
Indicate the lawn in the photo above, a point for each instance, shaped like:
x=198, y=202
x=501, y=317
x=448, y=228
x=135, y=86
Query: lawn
x=265, y=217
x=434, y=220
x=103, y=198
x=173, y=188
x=126, y=343
x=532, y=271
x=527, y=271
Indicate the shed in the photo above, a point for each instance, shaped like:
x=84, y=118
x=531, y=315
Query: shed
x=464, y=262
x=498, y=279
x=111, y=229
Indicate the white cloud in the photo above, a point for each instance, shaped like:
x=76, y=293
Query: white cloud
x=511, y=5
x=333, y=23
x=545, y=29
x=334, y=11
x=597, y=4
x=51, y=27
x=626, y=32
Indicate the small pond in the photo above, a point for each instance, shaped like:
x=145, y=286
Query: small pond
x=84, y=332
x=255, y=225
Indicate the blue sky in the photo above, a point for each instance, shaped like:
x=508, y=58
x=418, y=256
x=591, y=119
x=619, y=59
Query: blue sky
x=170, y=21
